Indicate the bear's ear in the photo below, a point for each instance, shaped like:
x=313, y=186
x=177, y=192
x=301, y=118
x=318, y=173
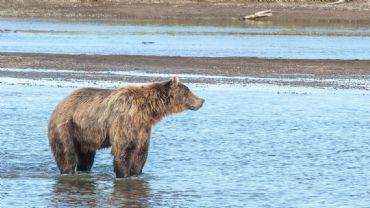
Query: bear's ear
x=175, y=81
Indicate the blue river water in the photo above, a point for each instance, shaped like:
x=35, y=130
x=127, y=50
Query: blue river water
x=248, y=146
x=252, y=146
x=40, y=36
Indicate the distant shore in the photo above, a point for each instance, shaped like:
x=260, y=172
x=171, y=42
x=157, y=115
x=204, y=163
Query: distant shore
x=350, y=14
x=311, y=13
x=295, y=72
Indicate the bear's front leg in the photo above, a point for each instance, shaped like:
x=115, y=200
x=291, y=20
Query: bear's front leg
x=120, y=168
x=122, y=161
x=138, y=160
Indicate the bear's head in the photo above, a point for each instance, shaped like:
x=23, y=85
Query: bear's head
x=182, y=98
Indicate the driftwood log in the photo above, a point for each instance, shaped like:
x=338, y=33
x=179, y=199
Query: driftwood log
x=258, y=15
x=337, y=2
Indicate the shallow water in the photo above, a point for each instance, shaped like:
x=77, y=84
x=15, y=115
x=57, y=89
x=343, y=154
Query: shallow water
x=36, y=36
x=253, y=146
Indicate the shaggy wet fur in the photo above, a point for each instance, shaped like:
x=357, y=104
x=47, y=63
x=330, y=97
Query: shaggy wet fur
x=90, y=119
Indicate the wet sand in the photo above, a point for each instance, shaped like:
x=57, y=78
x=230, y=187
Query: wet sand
x=280, y=69
x=220, y=12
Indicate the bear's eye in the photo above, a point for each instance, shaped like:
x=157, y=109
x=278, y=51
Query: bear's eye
x=185, y=88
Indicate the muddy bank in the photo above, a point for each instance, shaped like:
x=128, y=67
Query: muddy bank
x=317, y=73
x=353, y=13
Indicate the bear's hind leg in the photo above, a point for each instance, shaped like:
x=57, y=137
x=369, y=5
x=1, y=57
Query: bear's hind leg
x=58, y=151
x=85, y=161
x=69, y=160
x=65, y=157
x=63, y=147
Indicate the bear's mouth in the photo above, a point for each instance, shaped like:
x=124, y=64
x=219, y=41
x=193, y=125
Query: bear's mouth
x=196, y=107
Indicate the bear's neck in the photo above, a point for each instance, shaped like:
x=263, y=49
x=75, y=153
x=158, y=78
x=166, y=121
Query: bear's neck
x=157, y=106
x=153, y=102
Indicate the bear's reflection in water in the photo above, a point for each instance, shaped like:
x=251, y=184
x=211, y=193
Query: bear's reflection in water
x=130, y=193
x=91, y=191
x=74, y=191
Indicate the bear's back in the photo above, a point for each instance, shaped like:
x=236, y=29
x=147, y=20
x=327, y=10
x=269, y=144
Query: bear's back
x=89, y=94
x=80, y=101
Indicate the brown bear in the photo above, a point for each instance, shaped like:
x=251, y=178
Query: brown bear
x=90, y=119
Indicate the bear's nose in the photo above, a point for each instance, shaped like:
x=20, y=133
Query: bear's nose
x=201, y=103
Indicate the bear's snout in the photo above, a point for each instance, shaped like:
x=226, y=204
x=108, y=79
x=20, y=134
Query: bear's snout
x=198, y=104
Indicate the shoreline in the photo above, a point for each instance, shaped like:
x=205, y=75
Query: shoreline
x=229, y=70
